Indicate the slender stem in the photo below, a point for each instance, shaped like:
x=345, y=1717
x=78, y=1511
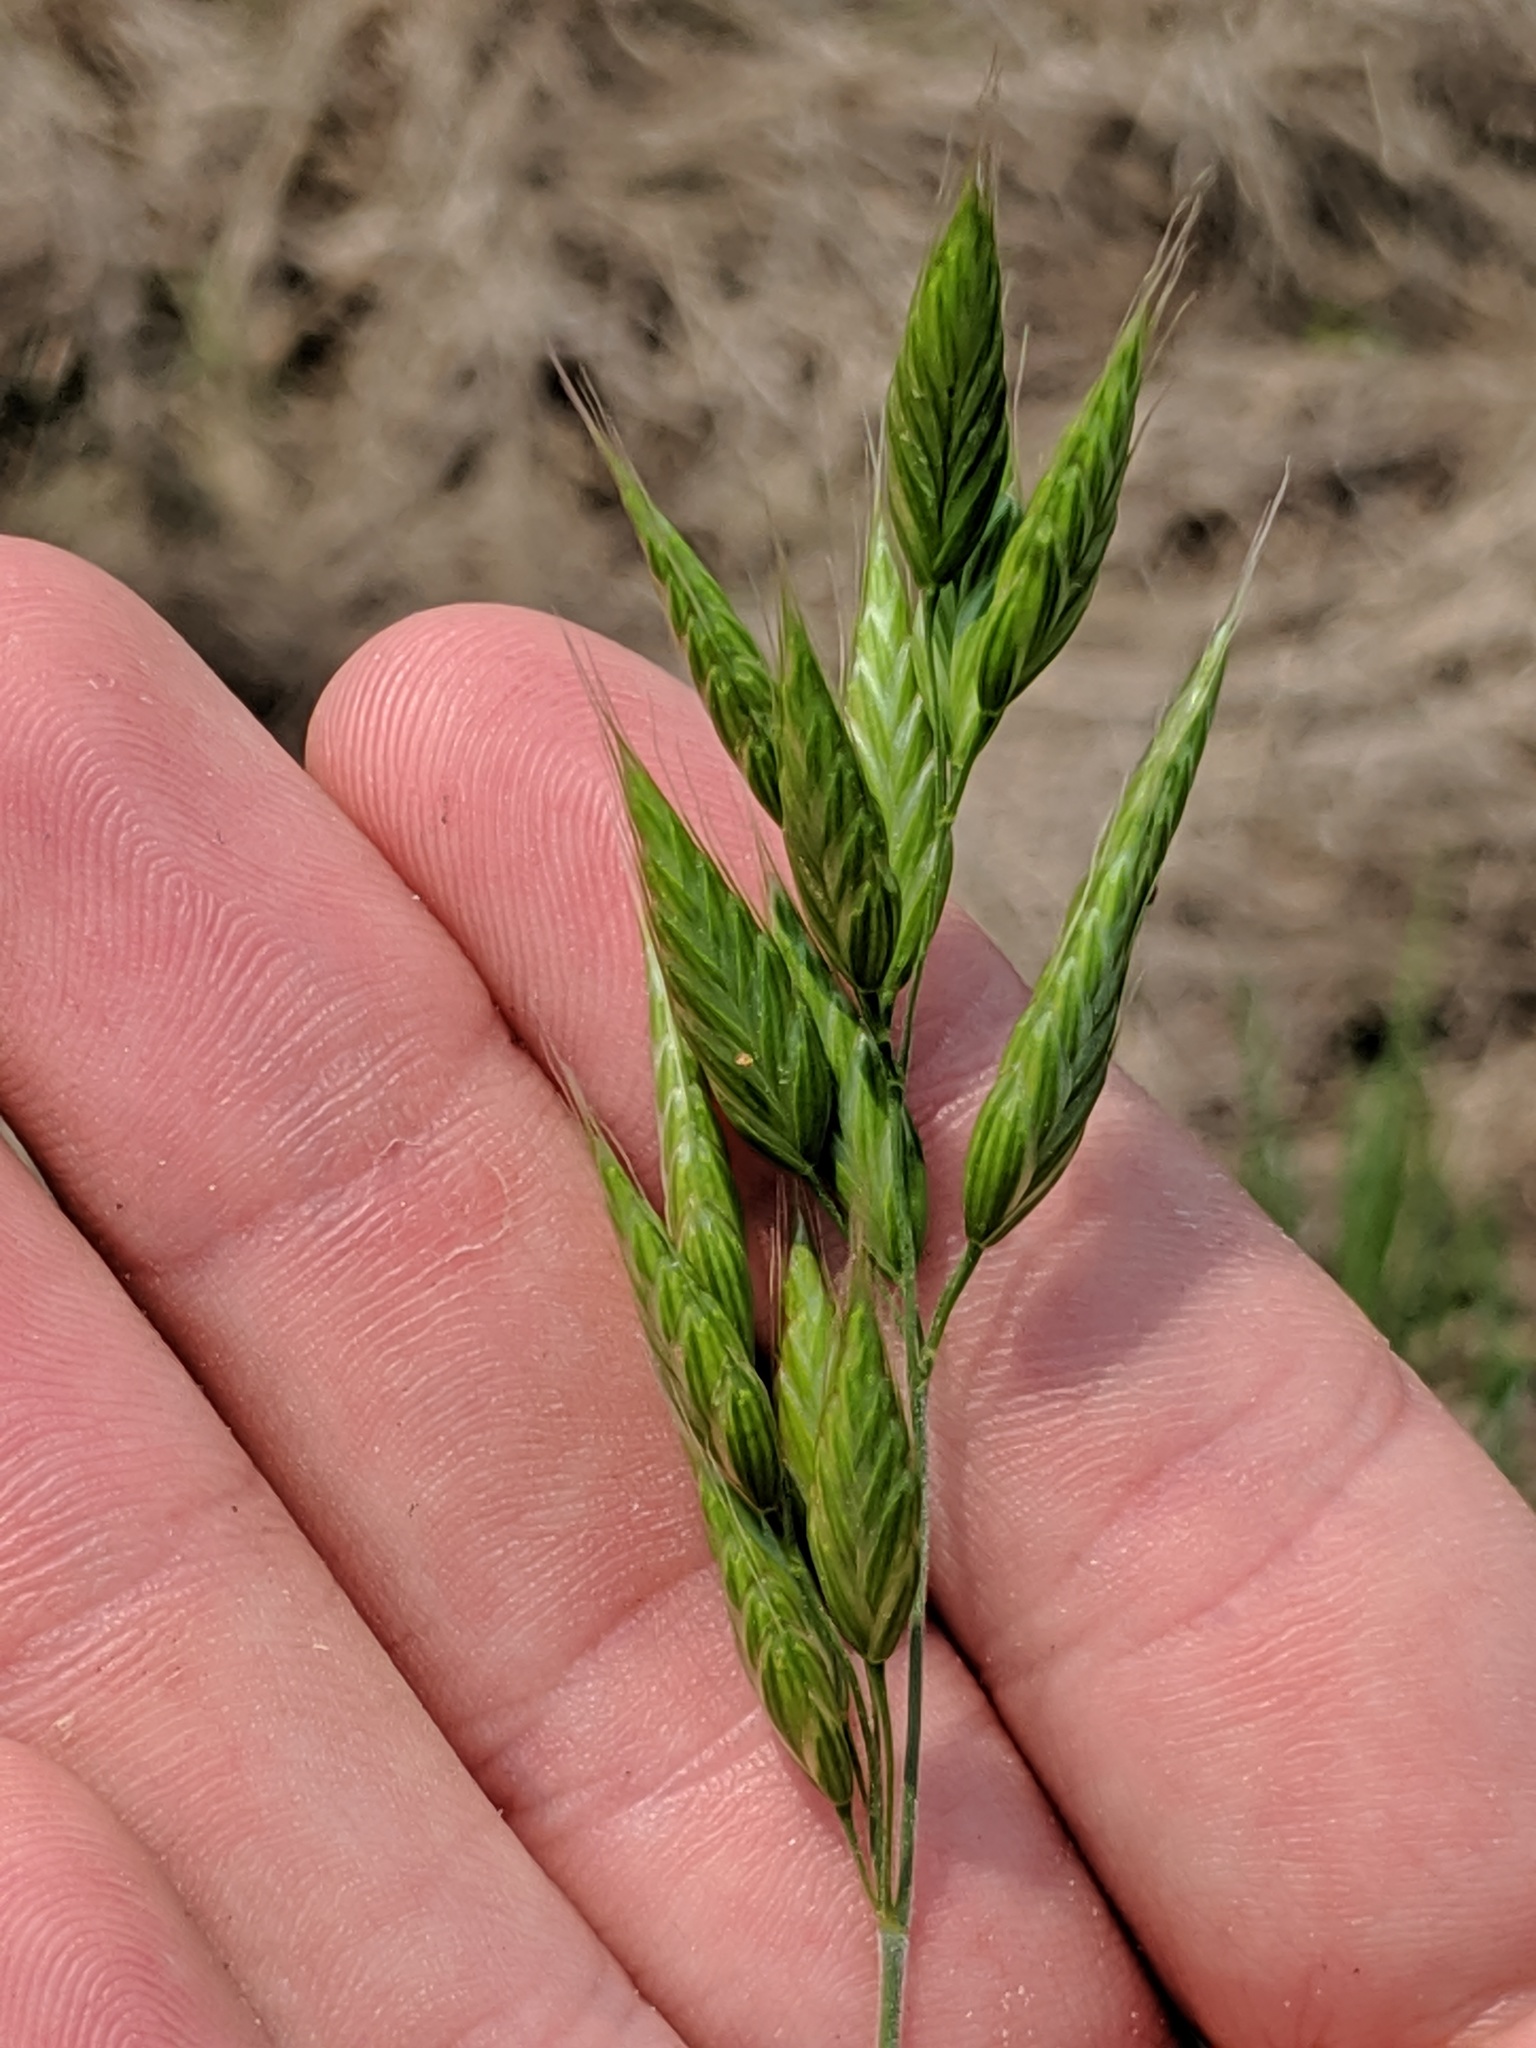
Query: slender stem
x=894, y=1942
x=861, y=1860
x=954, y=1287
x=921, y=1353
x=882, y=1699
x=879, y=1764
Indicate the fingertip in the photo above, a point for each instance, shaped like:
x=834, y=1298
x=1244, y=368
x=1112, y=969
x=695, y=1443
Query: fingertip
x=95, y=1949
x=470, y=744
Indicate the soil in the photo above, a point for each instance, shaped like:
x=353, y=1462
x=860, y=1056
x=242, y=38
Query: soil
x=280, y=288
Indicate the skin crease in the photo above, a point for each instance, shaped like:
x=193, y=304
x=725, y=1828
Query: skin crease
x=1261, y=1620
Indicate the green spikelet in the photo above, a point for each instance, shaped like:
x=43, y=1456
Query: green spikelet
x=802, y=1675
x=730, y=989
x=1054, y=1064
x=808, y=1338
x=647, y=1254
x=877, y=1163
x=727, y=667
x=833, y=831
x=836, y=1020
x=703, y=1209
x=946, y=416
x=1049, y=567
x=713, y=1388
x=862, y=1509
x=879, y=1184
x=893, y=736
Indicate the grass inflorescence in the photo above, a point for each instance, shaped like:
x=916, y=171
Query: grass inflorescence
x=795, y=1023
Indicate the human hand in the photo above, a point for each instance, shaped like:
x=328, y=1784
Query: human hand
x=409, y=1707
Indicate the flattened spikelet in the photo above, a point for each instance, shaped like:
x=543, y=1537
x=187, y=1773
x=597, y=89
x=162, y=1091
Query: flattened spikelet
x=703, y=1208
x=724, y=660
x=1056, y=1060
x=730, y=989
x=802, y=1675
x=833, y=831
x=808, y=1339
x=893, y=736
x=1049, y=567
x=946, y=417
x=714, y=1390
x=879, y=1187
x=862, y=1514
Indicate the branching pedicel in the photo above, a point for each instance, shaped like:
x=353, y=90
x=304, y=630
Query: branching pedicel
x=797, y=1027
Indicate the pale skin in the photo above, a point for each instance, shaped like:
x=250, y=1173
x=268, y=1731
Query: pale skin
x=362, y=1670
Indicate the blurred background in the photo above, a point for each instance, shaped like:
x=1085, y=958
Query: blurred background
x=283, y=284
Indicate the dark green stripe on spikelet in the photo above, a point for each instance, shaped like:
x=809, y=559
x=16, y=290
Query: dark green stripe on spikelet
x=834, y=833
x=802, y=1674
x=1055, y=1063
x=758, y=1046
x=724, y=660
x=946, y=415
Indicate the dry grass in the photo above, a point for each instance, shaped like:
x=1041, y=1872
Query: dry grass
x=281, y=283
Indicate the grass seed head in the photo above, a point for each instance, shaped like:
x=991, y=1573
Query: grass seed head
x=946, y=416
x=879, y=1187
x=724, y=660
x=862, y=1514
x=877, y=1162
x=651, y=1263
x=1056, y=1060
x=1050, y=565
x=833, y=831
x=893, y=736
x=730, y=990
x=808, y=1335
x=703, y=1208
x=726, y=1402
x=711, y=1384
x=836, y=1019
x=802, y=1675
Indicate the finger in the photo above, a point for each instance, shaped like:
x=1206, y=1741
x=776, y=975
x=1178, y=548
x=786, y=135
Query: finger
x=1253, y=1604
x=163, y=1627
x=95, y=1949
x=166, y=1632
x=371, y=1221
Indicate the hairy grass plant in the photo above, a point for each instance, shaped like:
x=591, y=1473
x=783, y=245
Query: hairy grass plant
x=796, y=1023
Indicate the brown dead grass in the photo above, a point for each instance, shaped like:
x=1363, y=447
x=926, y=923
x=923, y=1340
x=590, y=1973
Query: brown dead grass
x=281, y=283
